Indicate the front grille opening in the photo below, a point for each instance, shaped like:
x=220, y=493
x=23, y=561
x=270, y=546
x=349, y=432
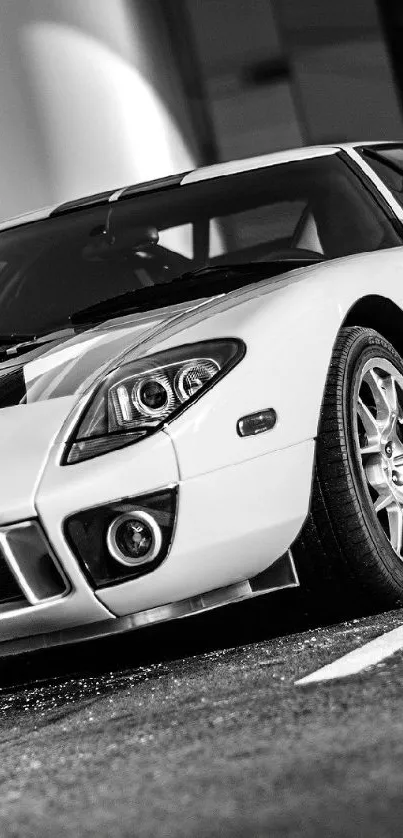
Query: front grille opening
x=10, y=592
x=30, y=570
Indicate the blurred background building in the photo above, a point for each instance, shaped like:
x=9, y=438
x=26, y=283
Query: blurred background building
x=95, y=94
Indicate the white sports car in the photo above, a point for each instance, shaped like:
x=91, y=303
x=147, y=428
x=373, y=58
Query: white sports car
x=201, y=393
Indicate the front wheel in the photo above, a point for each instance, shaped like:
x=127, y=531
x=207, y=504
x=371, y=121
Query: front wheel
x=349, y=554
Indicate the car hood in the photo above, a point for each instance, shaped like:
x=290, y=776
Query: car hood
x=68, y=363
x=40, y=389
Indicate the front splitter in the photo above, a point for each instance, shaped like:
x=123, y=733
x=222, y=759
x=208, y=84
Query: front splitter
x=282, y=574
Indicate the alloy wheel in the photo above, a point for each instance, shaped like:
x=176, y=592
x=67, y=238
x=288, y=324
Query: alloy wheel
x=379, y=439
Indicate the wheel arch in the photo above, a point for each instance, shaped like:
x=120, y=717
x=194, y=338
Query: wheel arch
x=379, y=313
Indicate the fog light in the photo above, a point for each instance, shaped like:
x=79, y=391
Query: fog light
x=90, y=536
x=134, y=538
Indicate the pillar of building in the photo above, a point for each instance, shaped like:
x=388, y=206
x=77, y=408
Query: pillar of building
x=340, y=69
x=90, y=99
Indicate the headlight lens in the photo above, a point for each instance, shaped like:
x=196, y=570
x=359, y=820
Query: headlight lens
x=136, y=399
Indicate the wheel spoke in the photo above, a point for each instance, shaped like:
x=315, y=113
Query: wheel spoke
x=395, y=527
x=371, y=426
x=383, y=501
x=391, y=393
x=385, y=394
x=379, y=392
x=373, y=447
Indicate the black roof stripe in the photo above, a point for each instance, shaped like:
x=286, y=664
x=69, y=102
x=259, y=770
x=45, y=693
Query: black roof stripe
x=79, y=203
x=152, y=185
x=126, y=192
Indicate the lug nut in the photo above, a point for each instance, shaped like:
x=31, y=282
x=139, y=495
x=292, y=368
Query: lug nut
x=388, y=449
x=394, y=478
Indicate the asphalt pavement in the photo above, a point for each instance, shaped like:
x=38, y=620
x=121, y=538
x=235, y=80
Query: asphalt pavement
x=198, y=729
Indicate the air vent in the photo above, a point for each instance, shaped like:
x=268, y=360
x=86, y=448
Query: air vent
x=34, y=570
x=10, y=590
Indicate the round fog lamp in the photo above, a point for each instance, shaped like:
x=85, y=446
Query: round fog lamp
x=134, y=538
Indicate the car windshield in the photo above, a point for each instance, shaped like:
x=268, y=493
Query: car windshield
x=138, y=249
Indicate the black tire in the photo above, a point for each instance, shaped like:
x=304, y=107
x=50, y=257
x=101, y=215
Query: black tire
x=344, y=560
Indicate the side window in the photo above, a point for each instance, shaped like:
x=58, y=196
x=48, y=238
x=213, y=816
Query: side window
x=179, y=239
x=254, y=233
x=387, y=163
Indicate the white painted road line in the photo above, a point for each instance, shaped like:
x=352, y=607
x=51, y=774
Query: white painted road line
x=359, y=659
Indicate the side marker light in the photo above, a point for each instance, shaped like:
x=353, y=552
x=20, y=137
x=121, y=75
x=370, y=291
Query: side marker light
x=257, y=423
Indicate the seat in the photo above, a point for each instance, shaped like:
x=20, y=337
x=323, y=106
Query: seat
x=306, y=234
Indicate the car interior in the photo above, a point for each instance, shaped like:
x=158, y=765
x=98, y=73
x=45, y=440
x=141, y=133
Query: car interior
x=316, y=208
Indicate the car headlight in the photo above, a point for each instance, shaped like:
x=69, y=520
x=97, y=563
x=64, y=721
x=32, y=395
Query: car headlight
x=138, y=398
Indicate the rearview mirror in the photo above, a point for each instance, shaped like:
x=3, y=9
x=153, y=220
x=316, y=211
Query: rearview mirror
x=113, y=241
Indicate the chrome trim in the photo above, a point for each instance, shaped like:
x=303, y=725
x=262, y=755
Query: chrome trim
x=152, y=616
x=377, y=182
x=156, y=534
x=16, y=570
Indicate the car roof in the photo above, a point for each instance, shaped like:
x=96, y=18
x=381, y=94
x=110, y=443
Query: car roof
x=185, y=178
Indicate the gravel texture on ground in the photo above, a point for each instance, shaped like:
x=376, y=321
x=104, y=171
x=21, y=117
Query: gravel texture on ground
x=198, y=729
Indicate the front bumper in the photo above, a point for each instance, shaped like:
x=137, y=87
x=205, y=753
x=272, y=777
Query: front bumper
x=232, y=524
x=281, y=575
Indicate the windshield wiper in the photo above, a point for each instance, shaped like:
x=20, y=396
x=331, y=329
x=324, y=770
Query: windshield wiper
x=17, y=343
x=190, y=285
x=277, y=263
x=15, y=338
x=140, y=299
